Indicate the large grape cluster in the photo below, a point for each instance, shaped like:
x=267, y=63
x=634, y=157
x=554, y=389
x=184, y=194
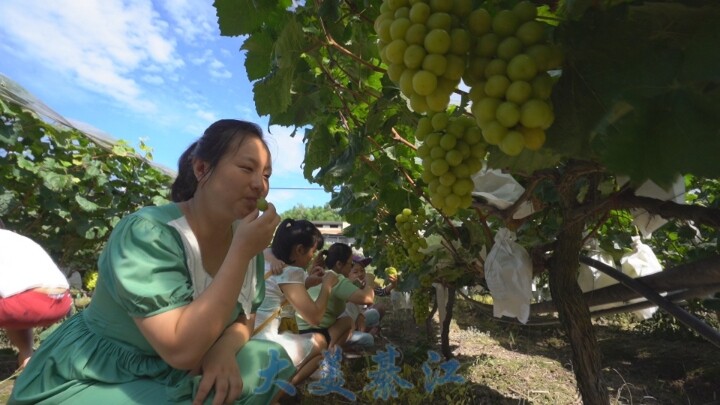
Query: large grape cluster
x=409, y=226
x=421, y=304
x=425, y=47
x=397, y=256
x=508, y=77
x=452, y=150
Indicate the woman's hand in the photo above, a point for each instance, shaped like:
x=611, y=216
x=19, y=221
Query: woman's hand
x=315, y=277
x=254, y=232
x=277, y=267
x=219, y=370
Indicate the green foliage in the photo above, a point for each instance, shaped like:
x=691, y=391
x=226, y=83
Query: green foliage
x=324, y=213
x=637, y=95
x=66, y=192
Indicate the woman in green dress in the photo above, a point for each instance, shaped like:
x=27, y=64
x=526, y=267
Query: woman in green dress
x=173, y=310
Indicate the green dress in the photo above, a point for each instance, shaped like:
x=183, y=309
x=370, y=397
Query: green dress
x=339, y=296
x=100, y=356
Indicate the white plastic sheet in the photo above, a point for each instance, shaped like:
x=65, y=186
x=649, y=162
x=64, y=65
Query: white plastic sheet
x=508, y=272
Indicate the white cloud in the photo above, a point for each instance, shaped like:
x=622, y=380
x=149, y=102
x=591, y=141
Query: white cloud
x=208, y=116
x=288, y=152
x=153, y=79
x=192, y=20
x=100, y=44
x=215, y=67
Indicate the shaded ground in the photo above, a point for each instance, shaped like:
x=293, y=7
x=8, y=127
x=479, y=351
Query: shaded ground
x=505, y=364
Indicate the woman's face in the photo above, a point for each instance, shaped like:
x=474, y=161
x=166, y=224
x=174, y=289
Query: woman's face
x=357, y=272
x=304, y=257
x=344, y=268
x=240, y=178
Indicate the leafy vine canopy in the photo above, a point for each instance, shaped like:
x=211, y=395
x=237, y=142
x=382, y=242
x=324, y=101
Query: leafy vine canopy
x=634, y=93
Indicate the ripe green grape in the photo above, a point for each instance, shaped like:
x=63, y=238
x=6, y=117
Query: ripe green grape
x=415, y=35
x=455, y=67
x=453, y=157
x=262, y=204
x=536, y=114
x=542, y=86
x=399, y=27
x=508, y=114
x=459, y=41
x=496, y=67
x=436, y=41
x=395, y=51
x=439, y=167
x=448, y=141
x=522, y=67
x=434, y=63
x=531, y=32
x=424, y=82
x=494, y=132
x=509, y=47
x=414, y=56
x=419, y=12
x=439, y=122
x=505, y=23
x=439, y=20
x=438, y=100
x=518, y=92
x=533, y=138
x=479, y=21
x=487, y=45
x=496, y=86
x=525, y=10
x=394, y=71
x=512, y=144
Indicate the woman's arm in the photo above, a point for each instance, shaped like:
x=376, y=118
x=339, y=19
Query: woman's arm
x=298, y=297
x=182, y=336
x=219, y=367
x=366, y=295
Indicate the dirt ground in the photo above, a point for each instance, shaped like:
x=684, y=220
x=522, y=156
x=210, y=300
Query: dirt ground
x=505, y=364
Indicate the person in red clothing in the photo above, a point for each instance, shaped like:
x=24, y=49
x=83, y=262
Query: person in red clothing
x=33, y=291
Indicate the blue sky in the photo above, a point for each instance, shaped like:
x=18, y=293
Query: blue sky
x=135, y=69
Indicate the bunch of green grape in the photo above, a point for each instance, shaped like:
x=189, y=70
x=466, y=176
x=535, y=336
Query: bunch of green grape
x=452, y=150
x=508, y=76
x=421, y=304
x=409, y=226
x=398, y=256
x=425, y=48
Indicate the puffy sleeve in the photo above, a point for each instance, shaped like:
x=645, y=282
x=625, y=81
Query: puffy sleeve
x=291, y=275
x=145, y=268
x=344, y=289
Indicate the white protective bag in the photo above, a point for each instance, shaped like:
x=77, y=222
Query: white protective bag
x=508, y=273
x=500, y=190
x=590, y=278
x=643, y=220
x=639, y=263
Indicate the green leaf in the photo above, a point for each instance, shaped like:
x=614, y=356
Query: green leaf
x=238, y=17
x=85, y=204
x=676, y=133
x=272, y=94
x=7, y=200
x=258, y=59
x=55, y=181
